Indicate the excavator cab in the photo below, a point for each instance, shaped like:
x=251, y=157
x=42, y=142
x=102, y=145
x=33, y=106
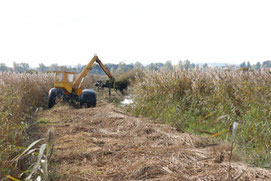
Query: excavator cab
x=64, y=80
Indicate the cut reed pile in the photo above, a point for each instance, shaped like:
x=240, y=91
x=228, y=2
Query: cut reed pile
x=124, y=80
x=208, y=102
x=107, y=143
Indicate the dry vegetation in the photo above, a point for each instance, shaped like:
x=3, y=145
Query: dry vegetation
x=21, y=95
x=107, y=143
x=208, y=102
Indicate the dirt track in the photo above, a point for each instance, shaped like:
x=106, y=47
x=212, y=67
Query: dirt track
x=106, y=143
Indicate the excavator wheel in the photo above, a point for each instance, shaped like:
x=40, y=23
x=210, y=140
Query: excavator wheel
x=88, y=97
x=53, y=94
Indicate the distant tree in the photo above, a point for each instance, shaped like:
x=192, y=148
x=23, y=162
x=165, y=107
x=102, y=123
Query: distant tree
x=54, y=67
x=138, y=65
x=111, y=66
x=248, y=64
x=158, y=65
x=266, y=64
x=3, y=67
x=25, y=66
x=121, y=67
x=193, y=65
x=78, y=68
x=14, y=67
x=187, y=64
x=154, y=66
x=150, y=66
x=180, y=65
x=243, y=64
x=112, y=70
x=96, y=69
x=42, y=68
x=20, y=67
x=10, y=69
x=65, y=68
x=257, y=66
x=205, y=66
x=168, y=66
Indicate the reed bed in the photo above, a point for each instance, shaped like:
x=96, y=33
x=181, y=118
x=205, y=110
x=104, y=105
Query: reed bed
x=20, y=96
x=208, y=102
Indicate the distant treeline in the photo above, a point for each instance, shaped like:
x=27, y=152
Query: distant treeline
x=123, y=67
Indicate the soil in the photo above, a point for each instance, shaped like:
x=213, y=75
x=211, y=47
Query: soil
x=107, y=143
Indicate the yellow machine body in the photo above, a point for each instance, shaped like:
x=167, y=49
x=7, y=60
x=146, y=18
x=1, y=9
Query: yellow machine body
x=70, y=82
x=64, y=80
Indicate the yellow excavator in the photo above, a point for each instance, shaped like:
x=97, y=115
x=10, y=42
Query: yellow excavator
x=67, y=85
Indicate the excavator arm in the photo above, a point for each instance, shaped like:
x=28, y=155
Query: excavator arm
x=88, y=68
x=106, y=71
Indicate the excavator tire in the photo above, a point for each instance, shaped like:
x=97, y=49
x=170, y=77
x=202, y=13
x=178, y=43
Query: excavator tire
x=53, y=94
x=88, y=97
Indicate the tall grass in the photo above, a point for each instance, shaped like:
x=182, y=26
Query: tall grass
x=208, y=102
x=20, y=95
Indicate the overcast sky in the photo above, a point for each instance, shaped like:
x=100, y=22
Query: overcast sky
x=70, y=32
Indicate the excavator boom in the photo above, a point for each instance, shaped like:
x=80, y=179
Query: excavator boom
x=88, y=68
x=105, y=69
x=84, y=72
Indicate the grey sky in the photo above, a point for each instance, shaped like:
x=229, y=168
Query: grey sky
x=70, y=32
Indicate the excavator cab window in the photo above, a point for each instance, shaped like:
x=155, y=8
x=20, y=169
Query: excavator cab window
x=59, y=77
x=70, y=77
